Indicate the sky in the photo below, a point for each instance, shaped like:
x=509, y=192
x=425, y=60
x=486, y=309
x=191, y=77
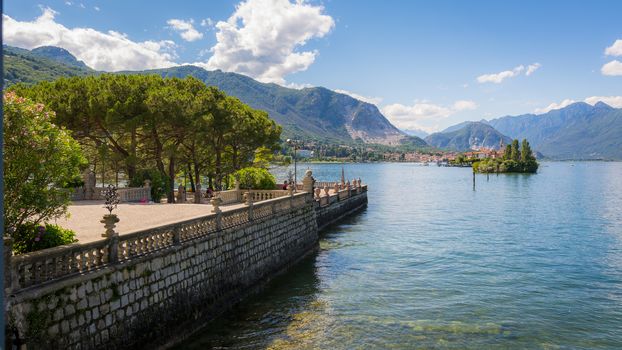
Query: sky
x=427, y=65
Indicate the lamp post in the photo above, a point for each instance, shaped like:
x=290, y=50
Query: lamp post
x=294, y=143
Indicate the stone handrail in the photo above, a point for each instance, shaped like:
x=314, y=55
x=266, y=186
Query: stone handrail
x=228, y=197
x=262, y=195
x=322, y=184
x=325, y=200
x=49, y=264
x=134, y=194
x=126, y=194
x=35, y=268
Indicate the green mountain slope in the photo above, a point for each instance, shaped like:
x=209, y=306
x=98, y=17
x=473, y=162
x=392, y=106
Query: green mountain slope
x=58, y=54
x=471, y=135
x=308, y=114
x=578, y=131
x=312, y=113
x=24, y=66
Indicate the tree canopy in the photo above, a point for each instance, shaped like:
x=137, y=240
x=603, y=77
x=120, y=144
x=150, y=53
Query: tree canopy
x=517, y=158
x=173, y=125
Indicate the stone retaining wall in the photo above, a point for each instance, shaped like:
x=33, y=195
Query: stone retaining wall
x=339, y=208
x=163, y=295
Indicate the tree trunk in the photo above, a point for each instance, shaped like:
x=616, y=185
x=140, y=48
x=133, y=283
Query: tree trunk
x=218, y=169
x=190, y=175
x=170, y=196
x=197, y=175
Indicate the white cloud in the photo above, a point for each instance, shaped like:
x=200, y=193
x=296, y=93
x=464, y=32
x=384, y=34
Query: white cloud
x=464, y=105
x=613, y=101
x=96, y=8
x=554, y=105
x=185, y=28
x=261, y=39
x=423, y=114
x=612, y=68
x=207, y=22
x=497, y=78
x=532, y=68
x=372, y=100
x=110, y=51
x=615, y=49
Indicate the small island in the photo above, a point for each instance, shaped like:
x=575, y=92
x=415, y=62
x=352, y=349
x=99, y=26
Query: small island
x=514, y=159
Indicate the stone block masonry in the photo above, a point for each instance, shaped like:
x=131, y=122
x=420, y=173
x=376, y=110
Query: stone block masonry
x=161, y=292
x=336, y=210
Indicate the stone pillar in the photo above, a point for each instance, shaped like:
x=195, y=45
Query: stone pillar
x=248, y=196
x=89, y=185
x=110, y=221
x=181, y=194
x=147, y=185
x=348, y=188
x=308, y=181
x=216, y=209
x=198, y=195
x=336, y=189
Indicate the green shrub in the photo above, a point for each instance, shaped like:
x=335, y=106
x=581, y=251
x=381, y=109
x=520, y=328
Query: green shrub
x=41, y=161
x=255, y=178
x=31, y=237
x=159, y=183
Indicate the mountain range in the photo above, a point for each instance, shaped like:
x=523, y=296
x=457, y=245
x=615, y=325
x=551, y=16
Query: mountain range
x=577, y=131
x=313, y=113
x=467, y=136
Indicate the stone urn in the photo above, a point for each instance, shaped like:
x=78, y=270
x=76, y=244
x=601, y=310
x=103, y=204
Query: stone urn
x=317, y=193
x=326, y=189
x=110, y=222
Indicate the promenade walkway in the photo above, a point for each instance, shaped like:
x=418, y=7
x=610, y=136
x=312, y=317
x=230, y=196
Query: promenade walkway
x=85, y=216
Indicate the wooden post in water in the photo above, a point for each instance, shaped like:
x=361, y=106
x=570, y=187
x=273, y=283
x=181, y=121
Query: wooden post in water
x=473, y=180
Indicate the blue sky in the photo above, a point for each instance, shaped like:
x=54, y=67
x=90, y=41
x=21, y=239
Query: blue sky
x=419, y=61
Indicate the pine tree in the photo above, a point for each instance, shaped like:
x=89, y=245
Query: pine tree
x=508, y=152
x=526, y=153
x=515, y=154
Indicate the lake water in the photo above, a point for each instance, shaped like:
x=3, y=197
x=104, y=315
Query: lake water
x=521, y=262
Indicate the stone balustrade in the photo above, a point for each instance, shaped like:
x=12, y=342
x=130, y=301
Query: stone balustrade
x=136, y=290
x=228, y=197
x=32, y=269
x=262, y=195
x=126, y=194
x=134, y=194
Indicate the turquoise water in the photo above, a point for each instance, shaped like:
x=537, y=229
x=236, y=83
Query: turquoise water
x=521, y=262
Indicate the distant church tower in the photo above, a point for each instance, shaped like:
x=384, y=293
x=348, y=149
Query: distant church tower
x=501, y=144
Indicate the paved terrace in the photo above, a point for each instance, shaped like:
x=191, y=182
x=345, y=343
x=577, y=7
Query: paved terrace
x=85, y=216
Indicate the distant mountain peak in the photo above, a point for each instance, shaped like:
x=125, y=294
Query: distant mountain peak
x=468, y=135
x=58, y=54
x=602, y=105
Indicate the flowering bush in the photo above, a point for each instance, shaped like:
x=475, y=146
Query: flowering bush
x=40, y=161
x=31, y=237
